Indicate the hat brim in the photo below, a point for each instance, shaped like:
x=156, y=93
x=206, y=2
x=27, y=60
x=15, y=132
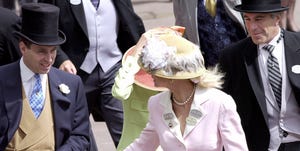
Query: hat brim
x=142, y=78
x=60, y=40
x=262, y=9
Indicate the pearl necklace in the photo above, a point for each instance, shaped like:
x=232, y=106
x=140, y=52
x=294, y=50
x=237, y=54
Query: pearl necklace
x=187, y=100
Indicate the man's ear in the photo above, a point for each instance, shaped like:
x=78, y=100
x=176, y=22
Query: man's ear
x=279, y=16
x=22, y=47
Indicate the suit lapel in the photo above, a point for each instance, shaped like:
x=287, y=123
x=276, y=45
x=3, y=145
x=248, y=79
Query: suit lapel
x=57, y=97
x=55, y=93
x=251, y=64
x=195, y=116
x=169, y=117
x=78, y=12
x=197, y=113
x=292, y=55
x=13, y=97
x=59, y=102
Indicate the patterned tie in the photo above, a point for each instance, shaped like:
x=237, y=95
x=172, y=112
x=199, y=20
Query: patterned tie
x=95, y=3
x=36, y=98
x=210, y=6
x=274, y=74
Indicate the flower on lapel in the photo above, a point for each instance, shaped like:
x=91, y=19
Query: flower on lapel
x=64, y=88
x=296, y=69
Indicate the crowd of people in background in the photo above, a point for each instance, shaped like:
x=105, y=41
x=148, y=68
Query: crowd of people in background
x=227, y=76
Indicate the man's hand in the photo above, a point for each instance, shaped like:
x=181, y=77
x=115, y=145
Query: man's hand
x=68, y=66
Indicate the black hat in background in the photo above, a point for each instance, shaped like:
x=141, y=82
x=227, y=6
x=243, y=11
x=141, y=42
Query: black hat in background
x=40, y=24
x=260, y=6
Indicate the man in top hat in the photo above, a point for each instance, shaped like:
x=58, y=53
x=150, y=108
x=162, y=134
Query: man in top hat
x=41, y=107
x=263, y=77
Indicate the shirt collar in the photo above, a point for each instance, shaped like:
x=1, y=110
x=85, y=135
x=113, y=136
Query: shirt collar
x=27, y=74
x=273, y=41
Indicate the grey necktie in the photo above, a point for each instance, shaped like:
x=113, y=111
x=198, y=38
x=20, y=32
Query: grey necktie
x=274, y=74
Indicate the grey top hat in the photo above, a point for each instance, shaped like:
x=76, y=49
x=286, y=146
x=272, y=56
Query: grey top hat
x=40, y=24
x=260, y=6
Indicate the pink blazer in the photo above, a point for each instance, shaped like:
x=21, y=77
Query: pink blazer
x=213, y=123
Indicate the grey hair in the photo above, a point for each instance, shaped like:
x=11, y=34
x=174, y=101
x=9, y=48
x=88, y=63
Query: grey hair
x=273, y=14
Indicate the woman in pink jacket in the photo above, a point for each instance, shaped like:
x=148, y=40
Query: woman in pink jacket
x=194, y=114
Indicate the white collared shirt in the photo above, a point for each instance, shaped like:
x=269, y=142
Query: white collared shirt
x=28, y=80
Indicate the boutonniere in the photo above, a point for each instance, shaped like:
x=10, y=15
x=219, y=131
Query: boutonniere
x=296, y=69
x=75, y=2
x=63, y=88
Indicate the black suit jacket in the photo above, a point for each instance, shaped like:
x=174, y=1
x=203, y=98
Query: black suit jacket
x=73, y=23
x=70, y=111
x=243, y=82
x=9, y=45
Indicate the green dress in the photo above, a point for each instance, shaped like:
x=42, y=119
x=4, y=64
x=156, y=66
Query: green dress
x=135, y=104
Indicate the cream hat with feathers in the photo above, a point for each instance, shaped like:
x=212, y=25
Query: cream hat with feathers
x=171, y=56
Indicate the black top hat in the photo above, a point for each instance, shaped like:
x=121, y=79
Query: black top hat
x=40, y=24
x=260, y=6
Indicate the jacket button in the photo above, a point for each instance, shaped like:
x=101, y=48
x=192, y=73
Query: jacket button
x=285, y=133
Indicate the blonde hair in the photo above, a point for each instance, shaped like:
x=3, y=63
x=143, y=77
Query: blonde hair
x=211, y=78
